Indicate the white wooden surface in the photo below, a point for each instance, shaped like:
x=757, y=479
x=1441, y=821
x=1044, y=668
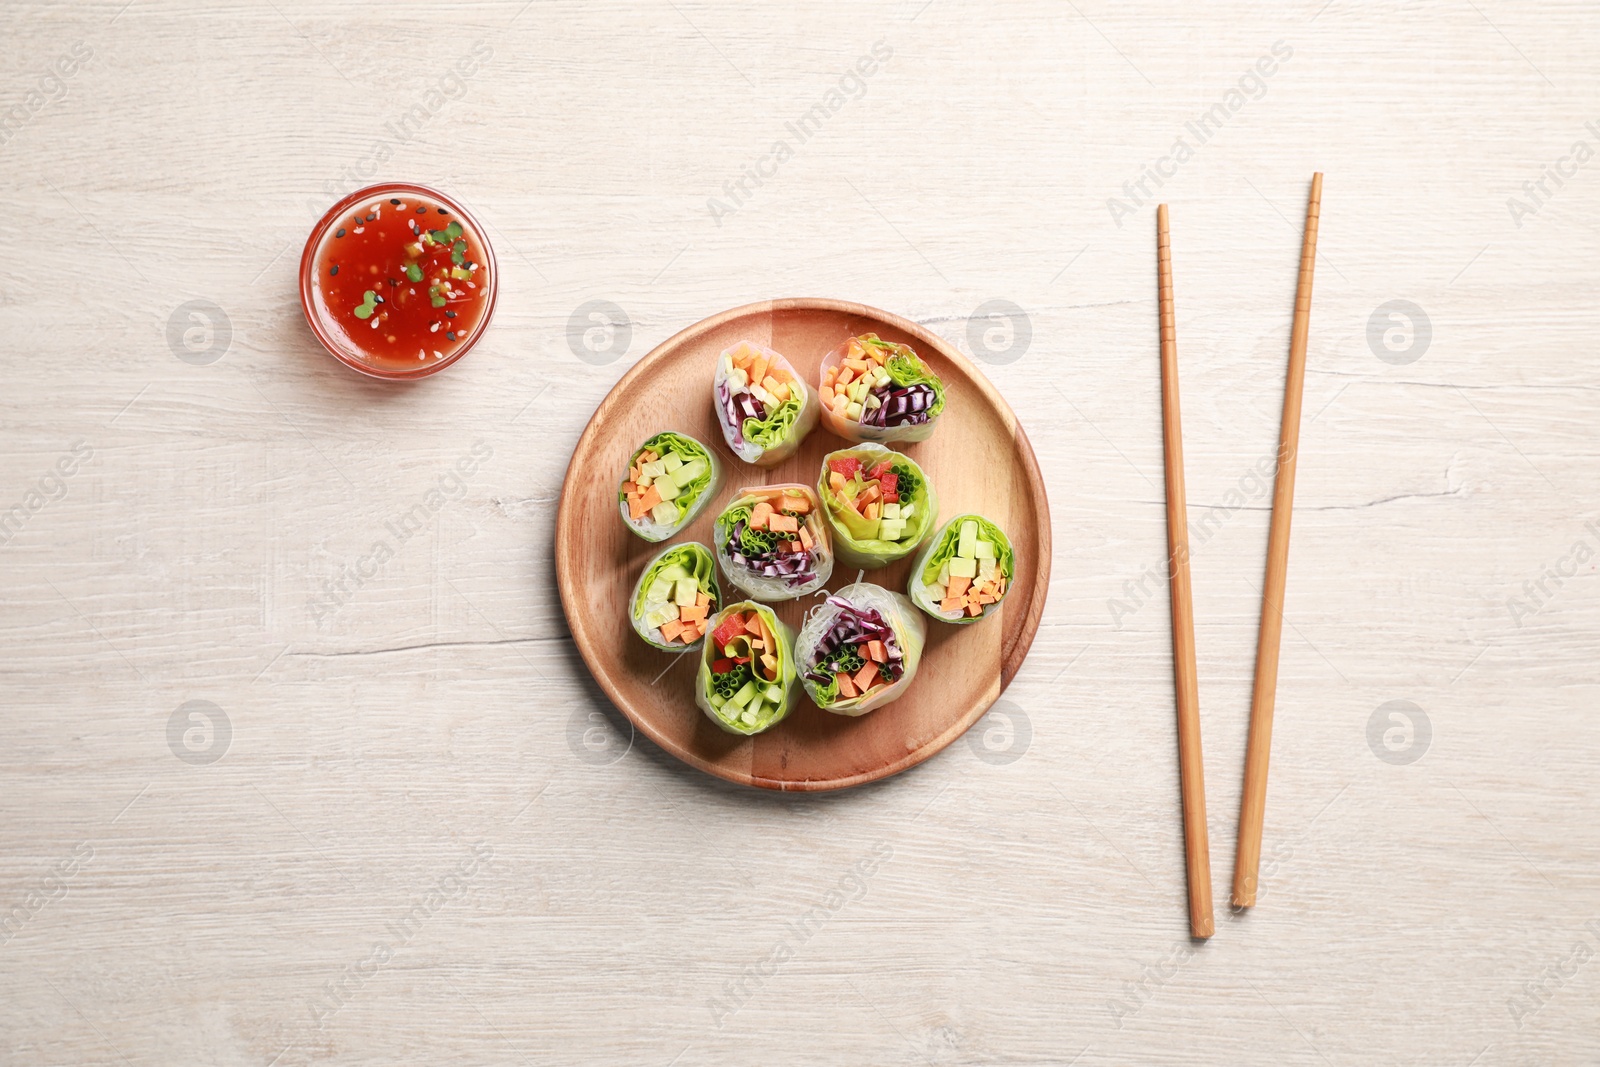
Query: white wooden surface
x=433, y=733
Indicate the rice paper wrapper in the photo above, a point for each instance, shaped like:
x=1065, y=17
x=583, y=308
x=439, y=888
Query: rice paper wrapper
x=939, y=549
x=870, y=553
x=771, y=715
x=851, y=430
x=654, y=531
x=697, y=559
x=910, y=631
x=774, y=589
x=767, y=453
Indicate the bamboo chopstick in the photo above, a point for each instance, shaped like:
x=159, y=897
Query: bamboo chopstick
x=1253, y=805
x=1191, y=768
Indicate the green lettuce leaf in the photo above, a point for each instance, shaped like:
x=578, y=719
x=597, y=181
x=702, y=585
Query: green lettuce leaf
x=752, y=540
x=772, y=430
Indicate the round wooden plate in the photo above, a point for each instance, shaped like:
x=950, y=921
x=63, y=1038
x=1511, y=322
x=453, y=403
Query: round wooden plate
x=978, y=459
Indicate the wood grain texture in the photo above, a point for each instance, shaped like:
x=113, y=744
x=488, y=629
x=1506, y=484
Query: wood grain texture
x=978, y=460
x=1033, y=908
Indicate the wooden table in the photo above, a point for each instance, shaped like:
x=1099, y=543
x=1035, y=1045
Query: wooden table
x=300, y=766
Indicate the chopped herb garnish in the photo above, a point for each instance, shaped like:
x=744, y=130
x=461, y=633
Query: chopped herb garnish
x=368, y=305
x=453, y=230
x=413, y=272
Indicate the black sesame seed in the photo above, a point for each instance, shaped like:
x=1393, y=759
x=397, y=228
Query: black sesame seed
x=335, y=269
x=451, y=314
x=372, y=218
x=379, y=299
x=392, y=200
x=422, y=211
x=340, y=232
x=450, y=334
x=442, y=211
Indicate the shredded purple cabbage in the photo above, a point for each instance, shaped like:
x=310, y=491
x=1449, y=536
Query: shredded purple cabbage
x=905, y=405
x=738, y=407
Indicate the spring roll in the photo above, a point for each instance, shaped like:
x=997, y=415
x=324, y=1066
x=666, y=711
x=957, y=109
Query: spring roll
x=746, y=679
x=965, y=572
x=763, y=406
x=675, y=597
x=878, y=503
x=772, y=544
x=876, y=390
x=859, y=649
x=670, y=480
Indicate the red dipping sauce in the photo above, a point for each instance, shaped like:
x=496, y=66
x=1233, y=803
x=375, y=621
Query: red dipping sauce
x=397, y=281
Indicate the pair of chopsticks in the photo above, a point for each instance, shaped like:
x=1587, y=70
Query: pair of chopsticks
x=1191, y=769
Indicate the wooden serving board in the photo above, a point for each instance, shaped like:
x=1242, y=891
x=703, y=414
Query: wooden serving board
x=978, y=460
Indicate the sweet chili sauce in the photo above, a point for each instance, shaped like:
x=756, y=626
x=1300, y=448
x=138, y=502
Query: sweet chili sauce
x=401, y=282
